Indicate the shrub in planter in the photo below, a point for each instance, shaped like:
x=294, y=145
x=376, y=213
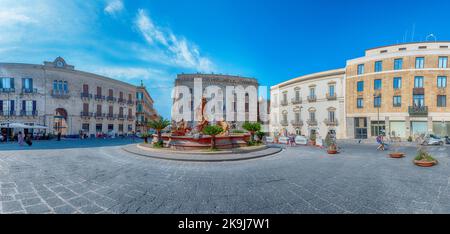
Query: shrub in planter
x=332, y=149
x=260, y=136
x=158, y=144
x=395, y=144
x=252, y=127
x=145, y=136
x=313, y=138
x=424, y=159
x=213, y=131
x=410, y=139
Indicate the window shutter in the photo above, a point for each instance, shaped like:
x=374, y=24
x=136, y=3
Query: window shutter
x=1, y=105
x=12, y=83
x=34, y=105
x=12, y=105
x=24, y=103
x=31, y=83
x=23, y=83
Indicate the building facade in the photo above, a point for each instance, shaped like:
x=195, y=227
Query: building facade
x=309, y=104
x=65, y=100
x=222, y=82
x=399, y=88
x=144, y=109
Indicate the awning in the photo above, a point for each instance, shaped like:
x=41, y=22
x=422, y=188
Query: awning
x=21, y=125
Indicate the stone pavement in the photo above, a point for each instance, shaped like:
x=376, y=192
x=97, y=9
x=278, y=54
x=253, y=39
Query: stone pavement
x=106, y=179
x=239, y=155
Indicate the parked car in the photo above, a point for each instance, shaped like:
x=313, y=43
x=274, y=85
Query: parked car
x=447, y=140
x=433, y=140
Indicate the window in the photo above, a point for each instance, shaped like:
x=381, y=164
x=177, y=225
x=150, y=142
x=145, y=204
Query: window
x=442, y=100
x=420, y=63
x=360, y=86
x=397, y=82
x=312, y=92
x=28, y=106
x=98, y=128
x=312, y=116
x=85, y=88
x=297, y=117
x=442, y=82
x=377, y=84
x=27, y=83
x=360, y=103
x=7, y=83
x=360, y=69
x=285, y=117
x=398, y=64
x=284, y=97
x=99, y=109
x=331, y=116
x=418, y=82
x=378, y=66
x=8, y=107
x=85, y=127
x=140, y=96
x=377, y=101
x=139, y=108
x=331, y=90
x=297, y=94
x=443, y=62
x=85, y=108
x=419, y=100
x=65, y=87
x=397, y=101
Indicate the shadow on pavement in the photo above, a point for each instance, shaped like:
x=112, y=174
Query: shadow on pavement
x=69, y=144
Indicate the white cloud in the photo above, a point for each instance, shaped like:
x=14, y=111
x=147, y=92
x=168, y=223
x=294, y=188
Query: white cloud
x=178, y=50
x=113, y=7
x=12, y=17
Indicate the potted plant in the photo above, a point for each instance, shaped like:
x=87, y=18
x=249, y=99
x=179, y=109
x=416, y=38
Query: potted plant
x=395, y=144
x=331, y=145
x=424, y=159
x=312, y=138
x=213, y=131
x=158, y=125
x=260, y=136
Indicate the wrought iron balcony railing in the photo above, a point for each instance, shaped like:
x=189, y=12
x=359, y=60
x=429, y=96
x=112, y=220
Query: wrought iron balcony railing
x=111, y=116
x=418, y=110
x=284, y=103
x=111, y=99
x=333, y=122
x=60, y=94
x=99, y=97
x=28, y=113
x=29, y=91
x=7, y=113
x=86, y=95
x=86, y=114
x=7, y=90
x=311, y=122
x=331, y=97
x=284, y=123
x=297, y=123
x=121, y=100
x=312, y=98
x=296, y=101
x=99, y=115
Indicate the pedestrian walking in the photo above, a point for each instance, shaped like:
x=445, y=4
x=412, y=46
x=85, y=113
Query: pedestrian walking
x=59, y=136
x=20, y=138
x=28, y=140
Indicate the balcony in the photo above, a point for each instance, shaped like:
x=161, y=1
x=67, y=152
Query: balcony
x=60, y=94
x=130, y=117
x=297, y=123
x=28, y=113
x=333, y=122
x=284, y=103
x=29, y=91
x=312, y=98
x=332, y=97
x=296, y=101
x=99, y=97
x=311, y=122
x=110, y=99
x=121, y=117
x=86, y=95
x=86, y=114
x=7, y=113
x=7, y=90
x=284, y=123
x=418, y=111
x=99, y=115
x=130, y=102
x=121, y=101
x=111, y=116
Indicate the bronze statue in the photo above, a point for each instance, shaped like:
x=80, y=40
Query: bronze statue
x=225, y=127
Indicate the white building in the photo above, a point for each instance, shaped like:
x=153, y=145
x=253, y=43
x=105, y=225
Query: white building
x=311, y=103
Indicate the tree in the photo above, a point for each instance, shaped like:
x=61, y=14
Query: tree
x=252, y=128
x=213, y=131
x=158, y=125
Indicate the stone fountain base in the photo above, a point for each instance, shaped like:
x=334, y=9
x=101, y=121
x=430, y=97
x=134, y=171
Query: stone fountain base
x=204, y=142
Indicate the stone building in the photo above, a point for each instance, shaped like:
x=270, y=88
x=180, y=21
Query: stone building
x=144, y=109
x=249, y=100
x=400, y=88
x=66, y=100
x=309, y=104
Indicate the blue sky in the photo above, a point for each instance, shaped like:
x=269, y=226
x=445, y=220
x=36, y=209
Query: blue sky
x=154, y=40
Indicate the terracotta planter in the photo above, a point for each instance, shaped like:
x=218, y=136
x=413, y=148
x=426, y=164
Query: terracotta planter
x=396, y=155
x=425, y=163
x=332, y=151
x=313, y=143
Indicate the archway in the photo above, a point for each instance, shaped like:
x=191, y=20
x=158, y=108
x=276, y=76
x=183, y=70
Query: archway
x=60, y=121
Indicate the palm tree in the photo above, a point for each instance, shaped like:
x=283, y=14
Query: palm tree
x=213, y=131
x=252, y=128
x=158, y=125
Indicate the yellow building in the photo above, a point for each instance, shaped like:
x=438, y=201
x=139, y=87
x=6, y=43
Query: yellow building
x=400, y=88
